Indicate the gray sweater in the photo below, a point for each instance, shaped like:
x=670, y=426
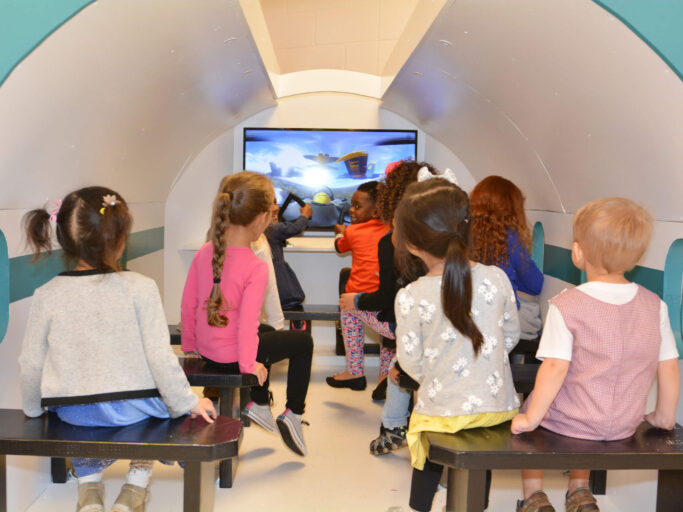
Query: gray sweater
x=94, y=337
x=453, y=382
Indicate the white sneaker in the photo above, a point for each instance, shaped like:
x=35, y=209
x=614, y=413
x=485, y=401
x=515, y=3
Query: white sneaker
x=261, y=415
x=291, y=432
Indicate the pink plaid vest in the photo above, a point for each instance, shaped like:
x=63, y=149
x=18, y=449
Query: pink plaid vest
x=614, y=361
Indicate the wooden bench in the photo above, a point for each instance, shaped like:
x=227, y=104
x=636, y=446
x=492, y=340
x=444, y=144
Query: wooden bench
x=469, y=453
x=327, y=312
x=199, y=373
x=198, y=444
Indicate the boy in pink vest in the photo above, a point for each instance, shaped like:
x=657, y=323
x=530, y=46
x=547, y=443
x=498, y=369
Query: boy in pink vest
x=603, y=344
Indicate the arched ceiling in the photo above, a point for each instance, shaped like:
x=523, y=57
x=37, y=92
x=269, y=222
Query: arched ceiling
x=562, y=97
x=124, y=94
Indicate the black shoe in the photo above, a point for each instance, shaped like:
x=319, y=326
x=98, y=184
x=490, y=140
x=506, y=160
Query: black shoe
x=380, y=392
x=357, y=384
x=389, y=440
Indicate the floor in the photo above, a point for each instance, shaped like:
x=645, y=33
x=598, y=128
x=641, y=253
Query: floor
x=338, y=474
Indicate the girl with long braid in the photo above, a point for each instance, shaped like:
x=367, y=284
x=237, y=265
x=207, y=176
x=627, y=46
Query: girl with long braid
x=222, y=302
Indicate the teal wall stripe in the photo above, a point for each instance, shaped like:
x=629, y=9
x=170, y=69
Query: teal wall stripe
x=673, y=285
x=656, y=22
x=558, y=264
x=144, y=242
x=25, y=24
x=25, y=278
x=4, y=286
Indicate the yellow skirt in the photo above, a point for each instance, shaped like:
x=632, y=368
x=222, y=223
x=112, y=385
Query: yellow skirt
x=417, y=443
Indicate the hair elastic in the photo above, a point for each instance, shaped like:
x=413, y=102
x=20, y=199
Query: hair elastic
x=108, y=200
x=55, y=211
x=216, y=280
x=423, y=175
x=452, y=235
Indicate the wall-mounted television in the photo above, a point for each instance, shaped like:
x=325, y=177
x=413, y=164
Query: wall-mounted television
x=323, y=167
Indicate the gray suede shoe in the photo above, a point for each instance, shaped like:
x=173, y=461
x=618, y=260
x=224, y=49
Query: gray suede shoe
x=90, y=497
x=131, y=499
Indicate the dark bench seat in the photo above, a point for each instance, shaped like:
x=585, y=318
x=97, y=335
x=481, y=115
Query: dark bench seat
x=469, y=453
x=313, y=312
x=198, y=444
x=199, y=373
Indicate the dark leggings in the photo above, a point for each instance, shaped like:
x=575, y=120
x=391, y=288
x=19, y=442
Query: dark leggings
x=274, y=346
x=424, y=484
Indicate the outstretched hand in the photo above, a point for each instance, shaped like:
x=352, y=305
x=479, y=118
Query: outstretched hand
x=261, y=373
x=659, y=421
x=521, y=424
x=205, y=409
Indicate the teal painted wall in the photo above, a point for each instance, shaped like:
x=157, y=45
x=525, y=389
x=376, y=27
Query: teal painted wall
x=4, y=286
x=657, y=22
x=25, y=278
x=24, y=24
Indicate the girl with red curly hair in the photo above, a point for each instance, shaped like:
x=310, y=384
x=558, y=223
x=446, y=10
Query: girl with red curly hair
x=500, y=236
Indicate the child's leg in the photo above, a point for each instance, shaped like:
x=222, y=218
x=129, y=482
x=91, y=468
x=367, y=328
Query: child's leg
x=354, y=342
x=139, y=472
x=386, y=355
x=297, y=346
x=84, y=468
x=532, y=481
x=395, y=411
x=578, y=478
x=423, y=486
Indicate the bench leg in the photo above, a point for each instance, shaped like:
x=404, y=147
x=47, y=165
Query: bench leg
x=199, y=486
x=227, y=467
x=58, y=470
x=245, y=398
x=669, y=490
x=466, y=490
x=598, y=481
x=3, y=483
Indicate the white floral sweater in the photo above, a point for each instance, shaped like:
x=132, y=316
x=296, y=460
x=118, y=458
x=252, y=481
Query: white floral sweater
x=453, y=382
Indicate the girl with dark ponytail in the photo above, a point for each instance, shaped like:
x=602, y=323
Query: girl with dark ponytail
x=222, y=302
x=96, y=348
x=455, y=327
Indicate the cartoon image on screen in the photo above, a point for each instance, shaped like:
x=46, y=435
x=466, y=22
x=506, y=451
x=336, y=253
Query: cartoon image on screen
x=323, y=167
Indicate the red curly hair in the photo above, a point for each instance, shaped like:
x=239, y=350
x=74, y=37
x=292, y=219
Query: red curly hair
x=497, y=207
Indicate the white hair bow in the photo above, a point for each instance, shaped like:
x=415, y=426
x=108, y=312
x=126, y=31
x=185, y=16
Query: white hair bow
x=423, y=175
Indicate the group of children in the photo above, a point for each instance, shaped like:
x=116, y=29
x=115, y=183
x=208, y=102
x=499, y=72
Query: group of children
x=435, y=271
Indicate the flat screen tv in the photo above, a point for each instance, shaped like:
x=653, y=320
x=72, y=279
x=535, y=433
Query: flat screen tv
x=323, y=167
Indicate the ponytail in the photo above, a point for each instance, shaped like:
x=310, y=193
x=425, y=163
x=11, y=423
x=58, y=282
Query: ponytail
x=221, y=221
x=36, y=224
x=456, y=291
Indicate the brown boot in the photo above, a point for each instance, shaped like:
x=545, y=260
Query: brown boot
x=131, y=499
x=537, y=502
x=581, y=500
x=90, y=497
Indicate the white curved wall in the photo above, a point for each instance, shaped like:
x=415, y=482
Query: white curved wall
x=560, y=97
x=188, y=209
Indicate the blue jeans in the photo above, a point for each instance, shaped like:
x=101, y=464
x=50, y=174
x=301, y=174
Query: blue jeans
x=395, y=411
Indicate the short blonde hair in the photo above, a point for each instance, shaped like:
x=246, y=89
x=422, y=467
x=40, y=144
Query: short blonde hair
x=613, y=232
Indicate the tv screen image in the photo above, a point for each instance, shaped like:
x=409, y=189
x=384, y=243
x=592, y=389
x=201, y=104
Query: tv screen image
x=323, y=167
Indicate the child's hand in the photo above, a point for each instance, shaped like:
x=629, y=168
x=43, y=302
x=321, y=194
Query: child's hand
x=660, y=420
x=307, y=210
x=346, y=301
x=521, y=424
x=394, y=374
x=205, y=409
x=339, y=229
x=261, y=373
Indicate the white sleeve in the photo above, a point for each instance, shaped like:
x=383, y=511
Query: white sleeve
x=556, y=341
x=272, y=310
x=409, y=346
x=667, y=350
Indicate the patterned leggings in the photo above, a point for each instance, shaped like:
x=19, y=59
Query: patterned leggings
x=354, y=340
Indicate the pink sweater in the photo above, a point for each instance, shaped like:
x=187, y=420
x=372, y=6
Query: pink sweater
x=243, y=283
